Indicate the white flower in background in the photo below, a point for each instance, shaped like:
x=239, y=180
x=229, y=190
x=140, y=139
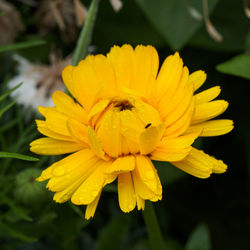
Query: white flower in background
x=39, y=81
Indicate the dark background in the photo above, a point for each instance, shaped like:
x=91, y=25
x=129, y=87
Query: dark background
x=194, y=213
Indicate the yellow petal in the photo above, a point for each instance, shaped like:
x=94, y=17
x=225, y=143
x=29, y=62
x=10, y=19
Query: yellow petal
x=109, y=133
x=146, y=68
x=217, y=166
x=95, y=144
x=69, y=107
x=201, y=165
x=93, y=80
x=150, y=138
x=91, y=208
x=146, y=113
x=145, y=170
x=49, y=146
x=71, y=162
x=207, y=95
x=66, y=194
x=140, y=203
x=46, y=174
x=212, y=128
x=78, y=132
x=142, y=190
x=126, y=193
x=168, y=77
x=77, y=172
x=43, y=129
x=197, y=79
x=174, y=149
x=122, y=60
x=67, y=78
x=181, y=125
x=180, y=109
x=122, y=164
x=55, y=121
x=109, y=178
x=91, y=187
x=96, y=111
x=131, y=127
x=167, y=106
x=207, y=111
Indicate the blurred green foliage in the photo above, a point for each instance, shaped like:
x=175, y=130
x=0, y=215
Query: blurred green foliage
x=194, y=214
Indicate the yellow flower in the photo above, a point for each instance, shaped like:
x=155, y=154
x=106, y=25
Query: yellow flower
x=126, y=114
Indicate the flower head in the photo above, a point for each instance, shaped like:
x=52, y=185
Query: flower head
x=127, y=114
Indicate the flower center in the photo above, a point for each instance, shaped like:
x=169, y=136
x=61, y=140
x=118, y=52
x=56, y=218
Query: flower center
x=120, y=123
x=123, y=105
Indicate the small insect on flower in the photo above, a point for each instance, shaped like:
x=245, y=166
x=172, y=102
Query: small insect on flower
x=127, y=114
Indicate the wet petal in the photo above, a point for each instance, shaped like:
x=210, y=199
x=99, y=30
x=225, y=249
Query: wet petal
x=49, y=146
x=150, y=138
x=207, y=111
x=91, y=208
x=207, y=95
x=126, y=192
x=43, y=129
x=55, y=121
x=95, y=144
x=174, y=149
x=69, y=107
x=201, y=165
x=212, y=128
x=78, y=132
x=91, y=187
x=197, y=79
x=122, y=164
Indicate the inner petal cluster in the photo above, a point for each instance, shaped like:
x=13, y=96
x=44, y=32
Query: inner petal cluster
x=120, y=124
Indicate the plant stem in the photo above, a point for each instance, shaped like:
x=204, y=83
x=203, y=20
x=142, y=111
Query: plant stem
x=154, y=232
x=86, y=33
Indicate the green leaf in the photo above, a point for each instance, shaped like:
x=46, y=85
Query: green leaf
x=199, y=239
x=6, y=94
x=7, y=107
x=21, y=45
x=11, y=231
x=237, y=66
x=172, y=19
x=228, y=18
x=113, y=234
x=17, y=156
